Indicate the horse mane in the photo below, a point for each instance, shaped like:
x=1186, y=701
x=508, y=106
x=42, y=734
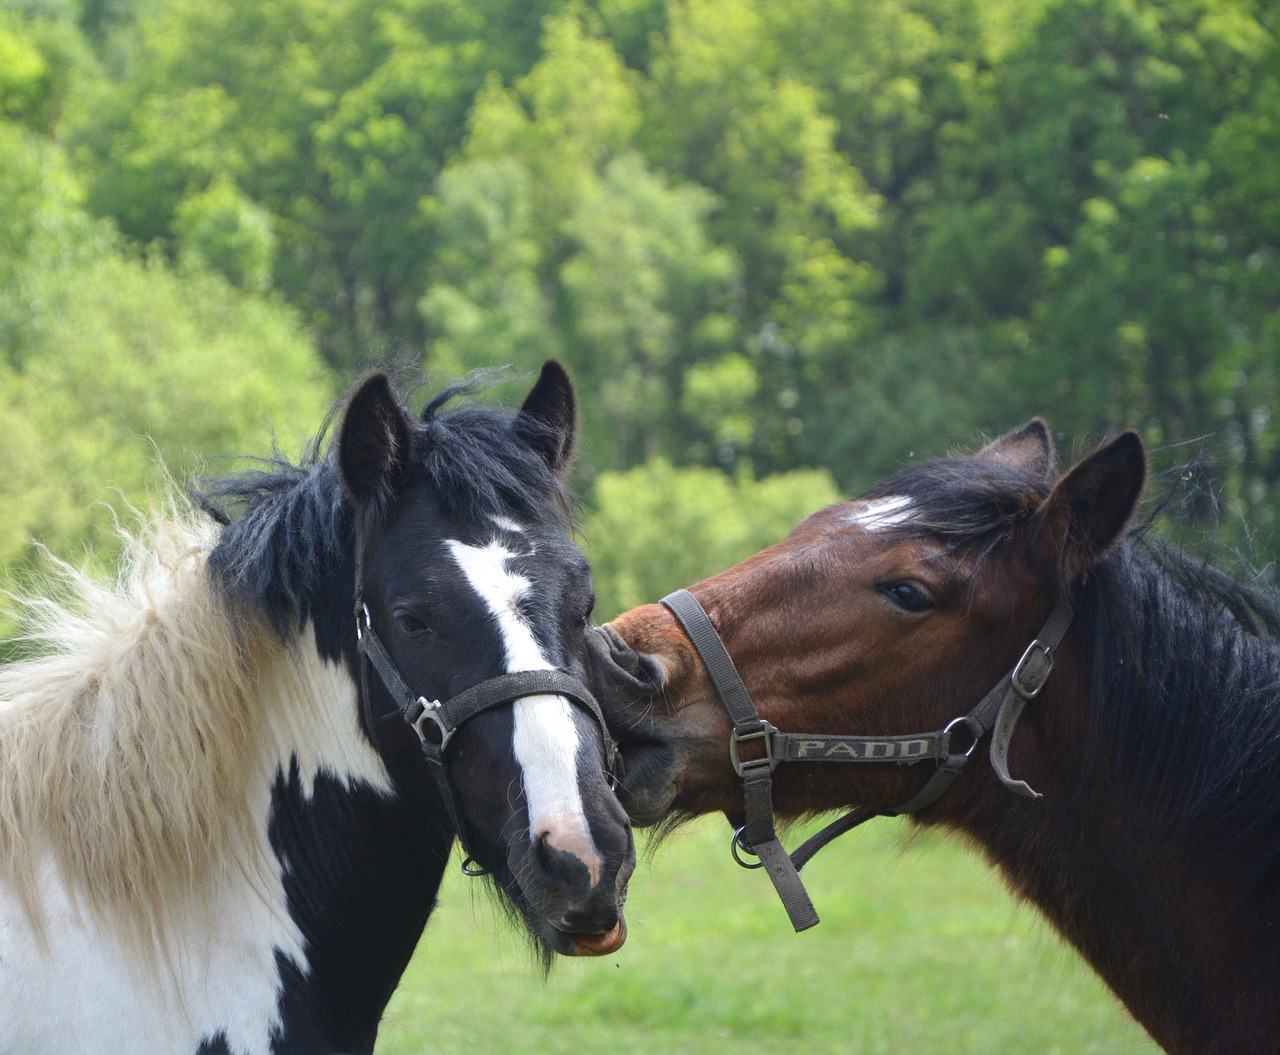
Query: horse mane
x=1184, y=659
x=1185, y=684
x=127, y=734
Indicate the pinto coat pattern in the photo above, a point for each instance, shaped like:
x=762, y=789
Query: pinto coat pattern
x=207, y=843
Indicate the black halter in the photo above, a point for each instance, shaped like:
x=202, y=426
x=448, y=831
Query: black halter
x=997, y=712
x=435, y=721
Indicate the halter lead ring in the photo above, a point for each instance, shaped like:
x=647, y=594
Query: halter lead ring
x=997, y=712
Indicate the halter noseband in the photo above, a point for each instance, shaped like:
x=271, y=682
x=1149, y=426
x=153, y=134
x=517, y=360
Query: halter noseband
x=997, y=712
x=446, y=716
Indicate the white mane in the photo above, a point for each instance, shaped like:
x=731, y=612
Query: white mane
x=139, y=743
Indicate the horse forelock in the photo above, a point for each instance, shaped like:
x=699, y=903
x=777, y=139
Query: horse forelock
x=289, y=526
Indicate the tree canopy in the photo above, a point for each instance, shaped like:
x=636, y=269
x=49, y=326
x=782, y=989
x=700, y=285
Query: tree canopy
x=766, y=239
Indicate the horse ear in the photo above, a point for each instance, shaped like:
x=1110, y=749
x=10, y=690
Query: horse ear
x=548, y=418
x=1088, y=510
x=375, y=441
x=1029, y=447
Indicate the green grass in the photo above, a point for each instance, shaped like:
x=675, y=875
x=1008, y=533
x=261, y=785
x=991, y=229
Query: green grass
x=920, y=950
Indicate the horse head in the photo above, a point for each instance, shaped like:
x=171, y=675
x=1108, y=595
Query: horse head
x=880, y=617
x=464, y=574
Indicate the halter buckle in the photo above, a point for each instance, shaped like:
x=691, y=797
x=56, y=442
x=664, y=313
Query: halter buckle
x=428, y=709
x=764, y=733
x=1033, y=670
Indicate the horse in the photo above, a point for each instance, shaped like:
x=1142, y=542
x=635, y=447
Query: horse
x=1127, y=696
x=230, y=783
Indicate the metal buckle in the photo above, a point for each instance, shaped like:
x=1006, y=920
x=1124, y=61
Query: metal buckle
x=765, y=733
x=431, y=709
x=1029, y=691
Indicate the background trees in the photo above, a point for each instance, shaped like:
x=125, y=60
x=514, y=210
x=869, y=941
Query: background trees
x=765, y=238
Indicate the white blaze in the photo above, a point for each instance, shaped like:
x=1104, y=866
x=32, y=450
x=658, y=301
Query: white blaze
x=546, y=740
x=881, y=513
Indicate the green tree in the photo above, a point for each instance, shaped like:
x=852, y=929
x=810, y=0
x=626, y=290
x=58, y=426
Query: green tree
x=135, y=372
x=554, y=234
x=657, y=527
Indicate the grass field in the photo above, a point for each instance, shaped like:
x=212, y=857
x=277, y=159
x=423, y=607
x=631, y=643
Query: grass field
x=920, y=950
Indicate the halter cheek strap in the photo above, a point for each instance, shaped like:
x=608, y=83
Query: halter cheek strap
x=758, y=833
x=997, y=712
x=421, y=714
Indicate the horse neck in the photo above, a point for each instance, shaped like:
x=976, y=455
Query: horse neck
x=1181, y=930
x=365, y=846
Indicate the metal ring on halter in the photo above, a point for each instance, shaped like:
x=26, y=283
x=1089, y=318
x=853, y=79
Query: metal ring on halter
x=470, y=867
x=739, y=843
x=972, y=726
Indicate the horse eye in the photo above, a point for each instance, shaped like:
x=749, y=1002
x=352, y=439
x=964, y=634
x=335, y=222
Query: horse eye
x=585, y=617
x=909, y=596
x=409, y=624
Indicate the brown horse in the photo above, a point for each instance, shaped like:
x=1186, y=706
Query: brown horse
x=1151, y=839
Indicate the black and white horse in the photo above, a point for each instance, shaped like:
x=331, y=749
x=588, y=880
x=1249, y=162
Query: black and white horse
x=210, y=839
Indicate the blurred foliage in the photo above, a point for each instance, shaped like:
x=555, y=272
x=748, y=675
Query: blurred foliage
x=658, y=527
x=764, y=238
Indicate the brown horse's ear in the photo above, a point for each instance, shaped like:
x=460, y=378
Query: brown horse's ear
x=1089, y=508
x=374, y=444
x=548, y=418
x=1029, y=448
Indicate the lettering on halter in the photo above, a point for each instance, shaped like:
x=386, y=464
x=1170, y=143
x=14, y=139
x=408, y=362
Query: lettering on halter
x=864, y=750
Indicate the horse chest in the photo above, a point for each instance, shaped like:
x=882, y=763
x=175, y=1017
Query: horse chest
x=218, y=978
x=82, y=989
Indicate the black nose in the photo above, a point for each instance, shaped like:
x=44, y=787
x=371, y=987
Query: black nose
x=560, y=867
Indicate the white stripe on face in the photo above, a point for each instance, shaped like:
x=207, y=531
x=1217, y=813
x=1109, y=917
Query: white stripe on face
x=546, y=740
x=881, y=513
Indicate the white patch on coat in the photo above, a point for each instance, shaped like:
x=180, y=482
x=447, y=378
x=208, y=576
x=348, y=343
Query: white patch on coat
x=546, y=739
x=507, y=524
x=881, y=513
x=80, y=987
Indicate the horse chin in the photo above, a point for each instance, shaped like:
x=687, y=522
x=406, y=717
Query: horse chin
x=552, y=940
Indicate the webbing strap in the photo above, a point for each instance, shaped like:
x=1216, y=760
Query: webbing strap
x=724, y=675
x=1025, y=682
x=757, y=782
x=507, y=688
x=906, y=750
x=997, y=712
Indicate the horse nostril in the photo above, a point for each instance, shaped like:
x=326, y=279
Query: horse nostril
x=566, y=863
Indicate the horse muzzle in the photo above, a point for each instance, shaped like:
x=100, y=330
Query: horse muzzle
x=626, y=683
x=572, y=895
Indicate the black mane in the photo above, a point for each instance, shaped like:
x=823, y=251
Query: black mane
x=288, y=527
x=1185, y=672
x=1184, y=660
